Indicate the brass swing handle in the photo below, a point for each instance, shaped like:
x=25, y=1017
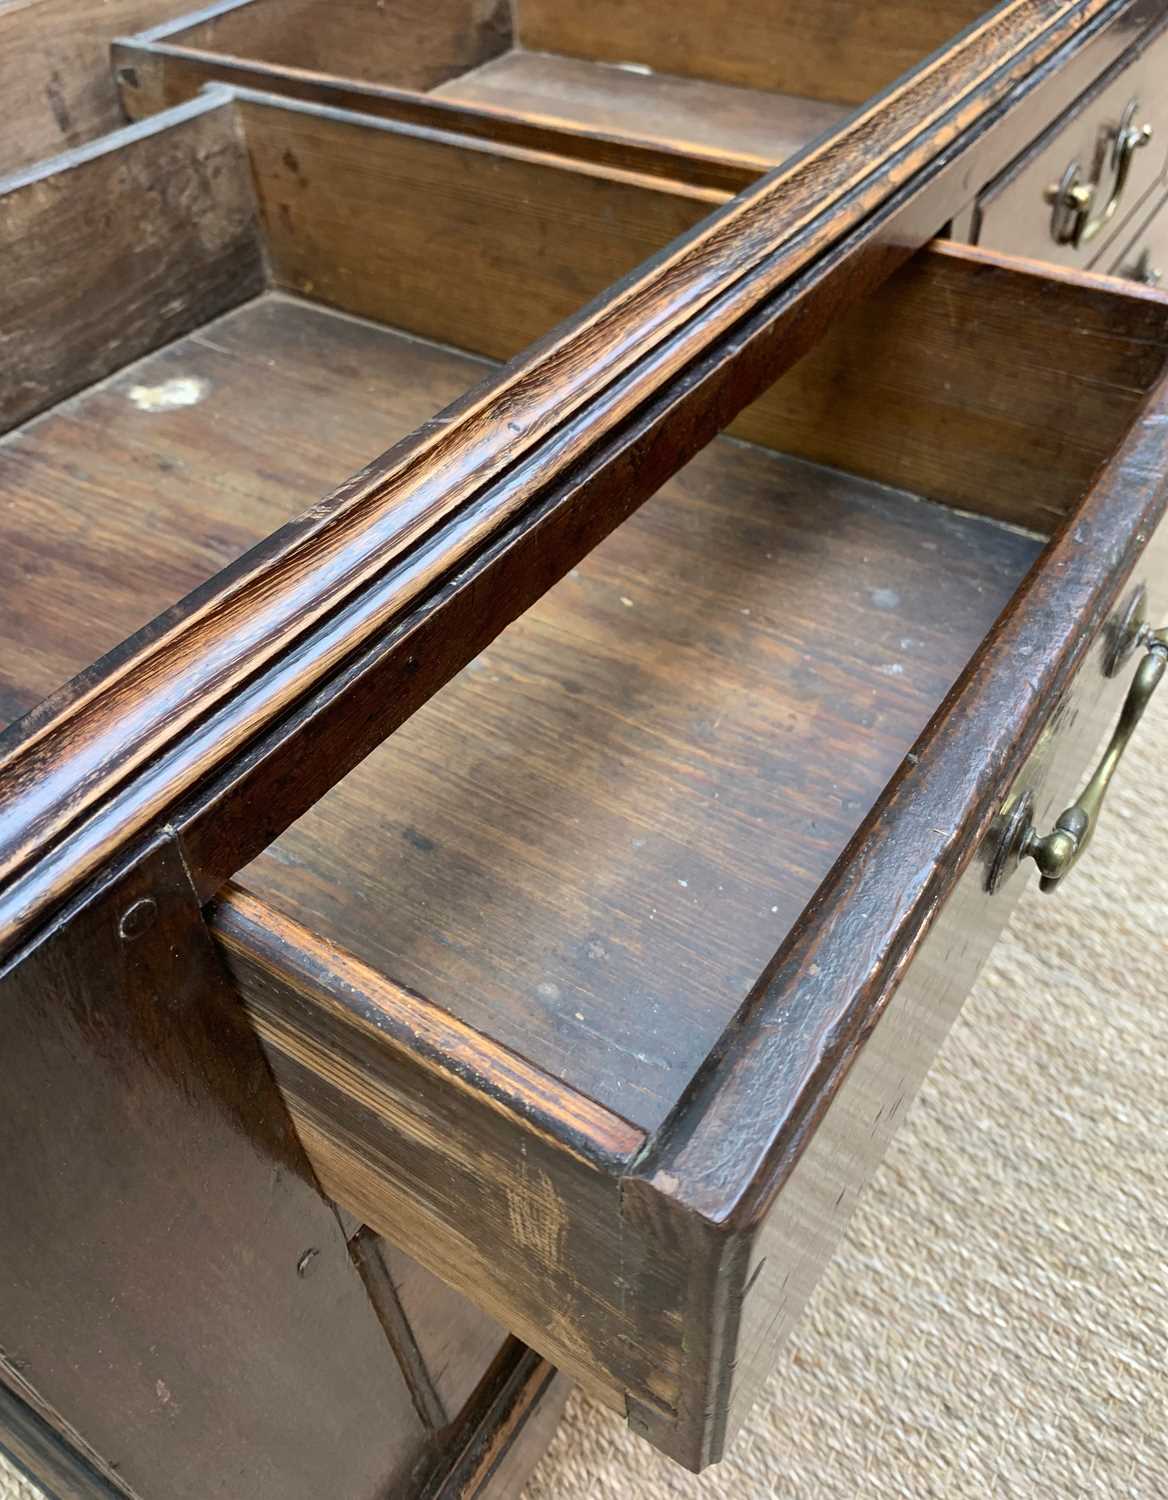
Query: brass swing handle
x=1072, y=222
x=1056, y=853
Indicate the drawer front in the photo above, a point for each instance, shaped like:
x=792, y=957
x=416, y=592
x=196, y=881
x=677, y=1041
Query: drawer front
x=805, y=1225
x=1144, y=258
x=1083, y=181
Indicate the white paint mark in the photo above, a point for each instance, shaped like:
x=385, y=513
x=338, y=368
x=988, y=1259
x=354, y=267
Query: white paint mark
x=684, y=884
x=893, y=669
x=549, y=991
x=884, y=598
x=183, y=390
x=628, y=603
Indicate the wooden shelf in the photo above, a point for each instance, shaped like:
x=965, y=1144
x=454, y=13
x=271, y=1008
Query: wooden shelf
x=689, y=114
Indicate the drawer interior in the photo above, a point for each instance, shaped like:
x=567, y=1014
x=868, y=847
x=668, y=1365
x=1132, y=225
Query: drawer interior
x=291, y=289
x=754, y=91
x=588, y=845
x=579, y=855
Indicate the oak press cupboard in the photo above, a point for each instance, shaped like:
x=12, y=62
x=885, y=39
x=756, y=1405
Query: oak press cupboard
x=484, y=934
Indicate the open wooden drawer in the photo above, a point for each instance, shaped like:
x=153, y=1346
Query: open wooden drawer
x=669, y=90
x=620, y=811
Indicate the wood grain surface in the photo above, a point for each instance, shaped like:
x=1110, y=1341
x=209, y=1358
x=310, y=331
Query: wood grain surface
x=152, y=232
x=176, y=1289
x=483, y=248
x=412, y=44
x=689, y=114
x=755, y=1175
x=55, y=76
x=200, y=449
x=834, y=49
x=995, y=384
x=236, y=661
x=589, y=844
x=154, y=73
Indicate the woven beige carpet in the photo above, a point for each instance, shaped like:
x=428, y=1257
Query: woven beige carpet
x=996, y=1323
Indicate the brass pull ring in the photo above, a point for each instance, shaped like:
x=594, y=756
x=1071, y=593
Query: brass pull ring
x=1057, y=852
x=1072, y=222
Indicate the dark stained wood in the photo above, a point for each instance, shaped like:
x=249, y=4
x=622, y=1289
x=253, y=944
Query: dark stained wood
x=483, y=248
x=365, y=1248
x=456, y=1341
x=496, y=1176
x=690, y=114
x=994, y=384
x=152, y=232
x=832, y=49
x=1013, y=213
x=55, y=75
x=41, y=1453
x=506, y=1432
x=755, y=1175
x=589, y=844
x=713, y=307
x=412, y=44
x=174, y=1284
x=84, y=484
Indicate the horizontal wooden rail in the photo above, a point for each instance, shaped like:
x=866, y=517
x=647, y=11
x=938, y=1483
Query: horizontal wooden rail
x=186, y=701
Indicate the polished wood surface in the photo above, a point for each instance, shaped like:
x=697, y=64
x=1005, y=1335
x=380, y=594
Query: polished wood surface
x=589, y=844
x=152, y=233
x=833, y=49
x=690, y=114
x=202, y=448
x=126, y=753
x=55, y=77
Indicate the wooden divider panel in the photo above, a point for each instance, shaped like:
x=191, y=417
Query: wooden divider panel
x=991, y=383
x=411, y=44
x=120, y=247
x=833, y=49
x=478, y=247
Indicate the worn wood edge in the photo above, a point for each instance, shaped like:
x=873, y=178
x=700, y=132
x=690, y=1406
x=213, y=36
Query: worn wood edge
x=189, y=19
x=185, y=70
x=951, y=785
x=451, y=1053
x=114, y=731
x=215, y=96
x=476, y=145
x=41, y=1449
x=507, y=1398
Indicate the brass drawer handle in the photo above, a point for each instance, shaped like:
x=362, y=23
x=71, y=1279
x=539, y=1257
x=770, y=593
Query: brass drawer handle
x=1056, y=853
x=1071, y=220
